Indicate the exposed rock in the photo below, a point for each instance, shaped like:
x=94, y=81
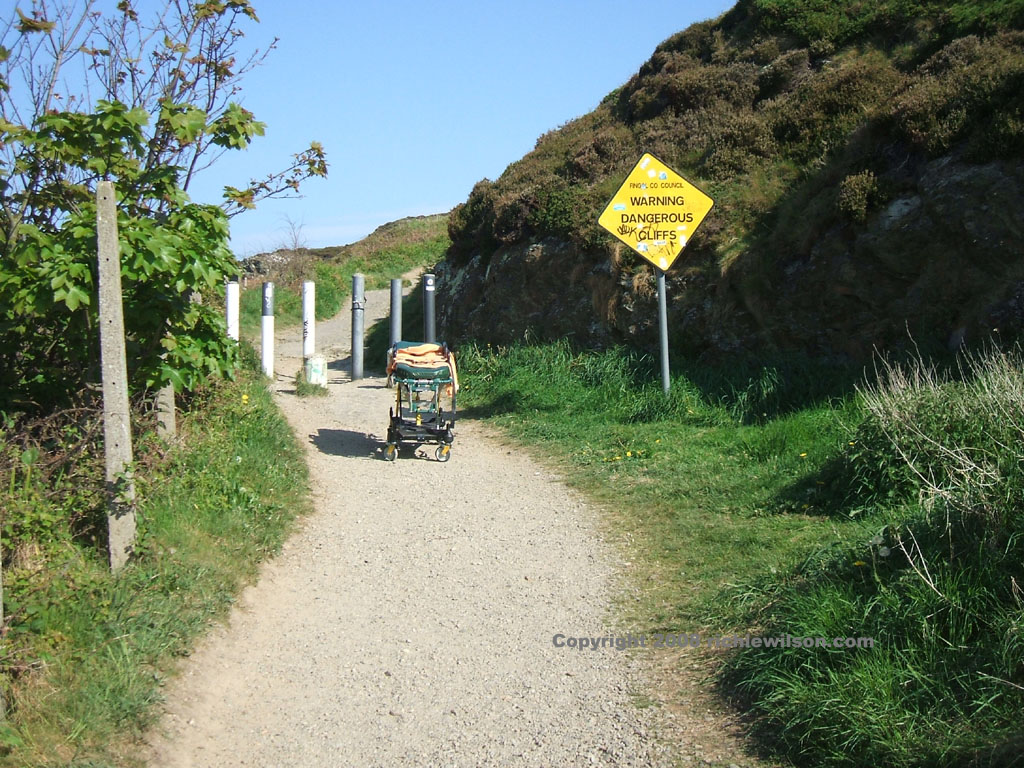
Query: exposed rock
x=942, y=262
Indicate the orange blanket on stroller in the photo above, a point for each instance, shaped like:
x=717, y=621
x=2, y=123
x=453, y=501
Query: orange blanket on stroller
x=426, y=356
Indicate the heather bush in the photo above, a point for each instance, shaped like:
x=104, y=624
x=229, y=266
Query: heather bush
x=824, y=110
x=856, y=194
x=972, y=89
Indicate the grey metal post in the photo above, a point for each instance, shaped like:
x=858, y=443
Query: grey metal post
x=267, y=330
x=429, y=327
x=396, y=311
x=117, y=433
x=663, y=331
x=358, y=302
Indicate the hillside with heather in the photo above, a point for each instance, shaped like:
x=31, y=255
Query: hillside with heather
x=864, y=159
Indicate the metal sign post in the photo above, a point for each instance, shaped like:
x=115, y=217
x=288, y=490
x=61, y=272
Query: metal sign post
x=396, y=311
x=666, y=383
x=655, y=212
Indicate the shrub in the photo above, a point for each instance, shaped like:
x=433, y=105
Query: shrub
x=783, y=74
x=971, y=89
x=856, y=194
x=820, y=114
x=737, y=139
x=469, y=224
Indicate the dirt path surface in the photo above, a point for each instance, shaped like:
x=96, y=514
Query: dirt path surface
x=409, y=621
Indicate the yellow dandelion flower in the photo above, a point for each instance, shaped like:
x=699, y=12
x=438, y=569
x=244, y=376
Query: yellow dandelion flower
x=859, y=563
x=629, y=453
x=803, y=455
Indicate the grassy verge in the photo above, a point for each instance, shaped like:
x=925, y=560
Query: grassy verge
x=378, y=259
x=781, y=500
x=86, y=654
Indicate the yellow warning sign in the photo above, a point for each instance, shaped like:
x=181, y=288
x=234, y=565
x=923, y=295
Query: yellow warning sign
x=655, y=212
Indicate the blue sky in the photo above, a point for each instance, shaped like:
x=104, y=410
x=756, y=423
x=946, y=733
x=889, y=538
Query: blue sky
x=416, y=102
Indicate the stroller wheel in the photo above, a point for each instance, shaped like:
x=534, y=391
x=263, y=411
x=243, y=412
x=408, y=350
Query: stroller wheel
x=443, y=452
x=391, y=452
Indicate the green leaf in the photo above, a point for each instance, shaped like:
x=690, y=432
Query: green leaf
x=186, y=121
x=76, y=297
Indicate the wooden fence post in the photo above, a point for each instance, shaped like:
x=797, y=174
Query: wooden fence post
x=117, y=432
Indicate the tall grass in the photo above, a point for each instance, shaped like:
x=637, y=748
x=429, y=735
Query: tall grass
x=938, y=585
x=785, y=500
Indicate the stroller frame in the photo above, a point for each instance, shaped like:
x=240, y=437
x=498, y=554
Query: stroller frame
x=419, y=416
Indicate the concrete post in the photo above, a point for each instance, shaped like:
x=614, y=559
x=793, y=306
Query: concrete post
x=429, y=327
x=308, y=319
x=267, y=330
x=231, y=296
x=358, y=305
x=117, y=433
x=166, y=418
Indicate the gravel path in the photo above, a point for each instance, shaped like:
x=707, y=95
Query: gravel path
x=409, y=621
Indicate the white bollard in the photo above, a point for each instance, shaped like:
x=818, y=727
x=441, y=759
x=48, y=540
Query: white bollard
x=308, y=319
x=231, y=309
x=267, y=330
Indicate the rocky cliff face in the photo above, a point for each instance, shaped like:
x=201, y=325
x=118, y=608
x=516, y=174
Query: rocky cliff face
x=943, y=263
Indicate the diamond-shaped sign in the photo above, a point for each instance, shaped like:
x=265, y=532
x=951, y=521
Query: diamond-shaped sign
x=655, y=212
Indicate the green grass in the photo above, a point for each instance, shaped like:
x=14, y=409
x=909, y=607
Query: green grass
x=305, y=388
x=87, y=653
x=781, y=501
x=707, y=464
